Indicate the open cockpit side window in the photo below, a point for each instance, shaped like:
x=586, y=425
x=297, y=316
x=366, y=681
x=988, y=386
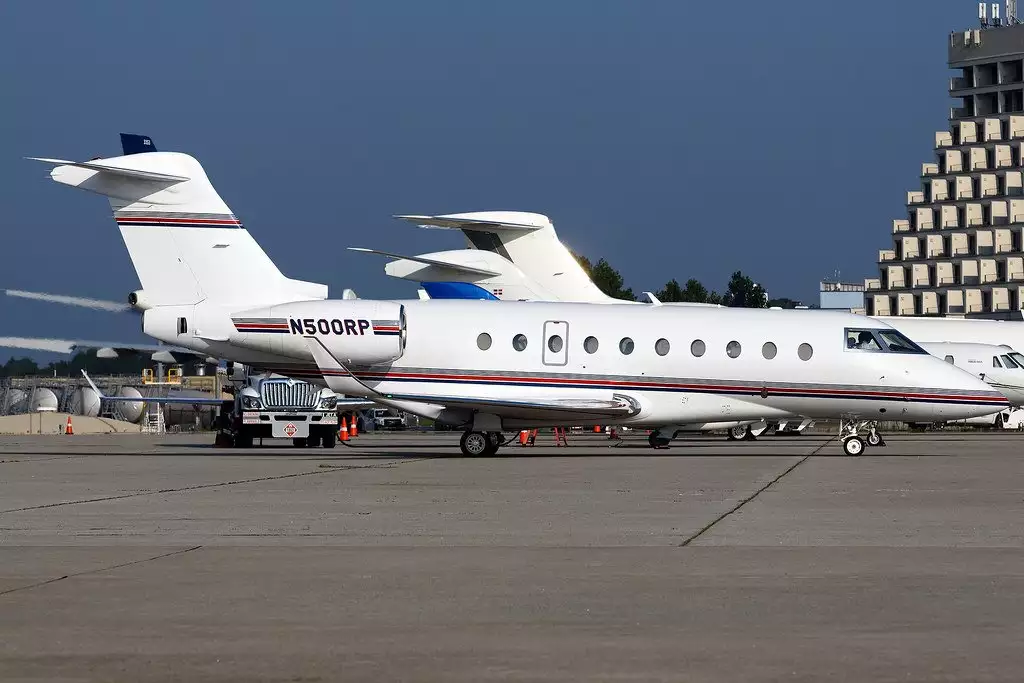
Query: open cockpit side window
x=881, y=341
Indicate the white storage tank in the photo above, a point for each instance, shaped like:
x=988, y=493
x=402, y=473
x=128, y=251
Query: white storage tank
x=43, y=400
x=130, y=410
x=85, y=402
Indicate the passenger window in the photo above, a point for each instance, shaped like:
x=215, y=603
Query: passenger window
x=483, y=342
x=697, y=348
x=950, y=360
x=662, y=347
x=519, y=342
x=804, y=352
x=554, y=343
x=995, y=362
x=590, y=344
x=733, y=349
x=626, y=346
x=769, y=350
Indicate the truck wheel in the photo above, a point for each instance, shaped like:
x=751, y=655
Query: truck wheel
x=243, y=440
x=299, y=443
x=313, y=441
x=329, y=439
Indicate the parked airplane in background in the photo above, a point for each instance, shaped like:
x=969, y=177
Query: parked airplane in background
x=486, y=367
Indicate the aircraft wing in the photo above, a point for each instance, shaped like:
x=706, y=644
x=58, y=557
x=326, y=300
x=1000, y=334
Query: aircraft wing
x=189, y=400
x=469, y=270
x=72, y=345
x=464, y=222
x=569, y=409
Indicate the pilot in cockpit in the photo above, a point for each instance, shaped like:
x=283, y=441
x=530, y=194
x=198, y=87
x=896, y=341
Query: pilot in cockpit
x=863, y=340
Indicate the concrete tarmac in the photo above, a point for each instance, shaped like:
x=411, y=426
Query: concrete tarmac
x=136, y=558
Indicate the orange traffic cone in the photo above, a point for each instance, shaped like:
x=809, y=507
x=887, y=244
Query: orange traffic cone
x=523, y=436
x=68, y=429
x=343, y=432
x=353, y=430
x=597, y=429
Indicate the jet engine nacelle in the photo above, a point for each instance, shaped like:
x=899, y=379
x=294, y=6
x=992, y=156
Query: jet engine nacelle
x=139, y=301
x=356, y=332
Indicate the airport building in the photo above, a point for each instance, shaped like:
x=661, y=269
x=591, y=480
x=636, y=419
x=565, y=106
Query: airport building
x=959, y=250
x=842, y=296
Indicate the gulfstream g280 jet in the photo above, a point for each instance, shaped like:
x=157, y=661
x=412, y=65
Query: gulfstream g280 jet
x=489, y=367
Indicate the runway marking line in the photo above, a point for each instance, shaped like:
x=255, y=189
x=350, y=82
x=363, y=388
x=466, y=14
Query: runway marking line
x=754, y=495
x=99, y=570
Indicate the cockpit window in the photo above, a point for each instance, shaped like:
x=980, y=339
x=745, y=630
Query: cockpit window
x=1008, y=362
x=885, y=341
x=995, y=362
x=1017, y=357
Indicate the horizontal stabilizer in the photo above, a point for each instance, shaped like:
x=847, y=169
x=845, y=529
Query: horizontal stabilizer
x=469, y=270
x=95, y=304
x=189, y=400
x=115, y=170
x=482, y=220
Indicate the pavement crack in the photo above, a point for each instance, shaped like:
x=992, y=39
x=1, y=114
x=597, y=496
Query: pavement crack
x=710, y=525
x=99, y=570
x=322, y=469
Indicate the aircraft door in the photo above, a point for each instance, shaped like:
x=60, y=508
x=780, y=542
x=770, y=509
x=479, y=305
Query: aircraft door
x=556, y=342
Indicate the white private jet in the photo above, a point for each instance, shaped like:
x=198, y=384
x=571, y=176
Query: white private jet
x=487, y=367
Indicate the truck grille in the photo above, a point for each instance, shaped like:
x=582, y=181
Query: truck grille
x=285, y=394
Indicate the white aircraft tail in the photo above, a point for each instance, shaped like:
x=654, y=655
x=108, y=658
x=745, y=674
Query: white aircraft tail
x=185, y=243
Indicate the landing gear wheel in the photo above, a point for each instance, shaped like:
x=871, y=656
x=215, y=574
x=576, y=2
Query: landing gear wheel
x=737, y=433
x=476, y=444
x=658, y=441
x=497, y=439
x=299, y=443
x=875, y=439
x=329, y=439
x=853, y=446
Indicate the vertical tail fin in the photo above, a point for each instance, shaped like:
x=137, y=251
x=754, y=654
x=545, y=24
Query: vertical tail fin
x=182, y=238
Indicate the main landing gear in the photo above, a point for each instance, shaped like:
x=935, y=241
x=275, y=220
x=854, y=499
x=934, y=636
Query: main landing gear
x=481, y=444
x=853, y=444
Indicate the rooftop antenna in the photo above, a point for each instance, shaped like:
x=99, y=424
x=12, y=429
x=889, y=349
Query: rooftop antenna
x=995, y=14
x=1011, y=13
x=983, y=14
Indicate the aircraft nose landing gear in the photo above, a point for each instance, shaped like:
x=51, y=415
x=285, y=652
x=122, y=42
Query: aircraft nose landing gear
x=853, y=444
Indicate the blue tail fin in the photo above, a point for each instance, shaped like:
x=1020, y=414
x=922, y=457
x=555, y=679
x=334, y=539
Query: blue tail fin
x=136, y=144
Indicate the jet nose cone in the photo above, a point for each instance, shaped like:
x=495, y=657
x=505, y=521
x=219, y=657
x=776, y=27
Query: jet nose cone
x=969, y=396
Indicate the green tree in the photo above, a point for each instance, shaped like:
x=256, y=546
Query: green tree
x=743, y=292
x=607, y=279
x=692, y=292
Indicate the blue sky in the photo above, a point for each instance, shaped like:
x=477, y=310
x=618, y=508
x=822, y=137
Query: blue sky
x=665, y=135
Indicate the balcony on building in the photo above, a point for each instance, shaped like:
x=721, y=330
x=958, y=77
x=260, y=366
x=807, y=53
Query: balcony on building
x=988, y=185
x=984, y=243
x=959, y=244
x=1004, y=156
x=906, y=304
x=998, y=213
x=923, y=219
x=988, y=271
x=952, y=161
x=900, y=225
x=915, y=197
x=881, y=304
x=973, y=301
x=966, y=133
x=959, y=83
x=969, y=272
x=1004, y=241
x=992, y=130
x=974, y=216
x=929, y=168
x=1000, y=299
x=963, y=187
x=1015, y=269
x=944, y=274
x=1015, y=125
x=872, y=284
x=943, y=138
x=910, y=248
x=1017, y=211
x=954, y=302
x=938, y=189
x=886, y=255
x=895, y=277
x=929, y=303
x=920, y=275
x=1013, y=184
x=978, y=159
x=949, y=217
x=934, y=246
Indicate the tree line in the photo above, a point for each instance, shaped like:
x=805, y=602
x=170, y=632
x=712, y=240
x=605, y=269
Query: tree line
x=740, y=292
x=127, y=364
